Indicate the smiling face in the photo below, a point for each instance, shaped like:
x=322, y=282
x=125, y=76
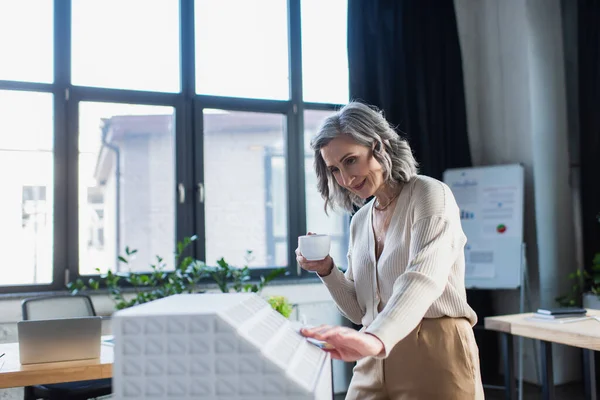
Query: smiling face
x=353, y=166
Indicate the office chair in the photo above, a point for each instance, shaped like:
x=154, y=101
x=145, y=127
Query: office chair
x=63, y=306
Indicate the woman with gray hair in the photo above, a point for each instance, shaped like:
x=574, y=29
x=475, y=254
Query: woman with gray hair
x=405, y=278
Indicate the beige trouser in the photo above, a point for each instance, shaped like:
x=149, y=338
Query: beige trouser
x=439, y=360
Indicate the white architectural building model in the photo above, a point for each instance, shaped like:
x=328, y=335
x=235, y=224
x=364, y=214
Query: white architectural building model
x=214, y=346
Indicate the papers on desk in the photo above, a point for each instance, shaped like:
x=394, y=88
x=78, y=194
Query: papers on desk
x=561, y=315
x=563, y=320
x=562, y=312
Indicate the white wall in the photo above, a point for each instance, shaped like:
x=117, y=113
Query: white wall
x=515, y=94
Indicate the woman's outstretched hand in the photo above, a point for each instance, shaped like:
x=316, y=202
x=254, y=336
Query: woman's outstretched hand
x=348, y=344
x=322, y=267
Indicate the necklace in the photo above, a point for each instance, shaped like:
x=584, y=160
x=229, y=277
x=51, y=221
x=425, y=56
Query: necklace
x=380, y=228
x=380, y=208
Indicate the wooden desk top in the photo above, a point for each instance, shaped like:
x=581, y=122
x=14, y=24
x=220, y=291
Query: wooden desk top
x=584, y=334
x=13, y=374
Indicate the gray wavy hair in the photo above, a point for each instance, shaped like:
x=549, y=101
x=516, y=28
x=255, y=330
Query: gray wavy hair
x=366, y=126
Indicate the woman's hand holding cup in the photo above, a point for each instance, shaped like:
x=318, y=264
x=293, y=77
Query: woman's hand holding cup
x=313, y=253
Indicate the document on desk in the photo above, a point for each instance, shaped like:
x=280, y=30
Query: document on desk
x=562, y=320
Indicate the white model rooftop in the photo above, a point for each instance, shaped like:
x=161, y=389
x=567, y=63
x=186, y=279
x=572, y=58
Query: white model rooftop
x=214, y=346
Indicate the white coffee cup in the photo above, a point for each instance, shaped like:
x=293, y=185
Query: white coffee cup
x=314, y=247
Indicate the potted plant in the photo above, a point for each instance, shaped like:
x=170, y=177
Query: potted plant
x=591, y=298
x=281, y=305
x=158, y=283
x=184, y=278
x=585, y=289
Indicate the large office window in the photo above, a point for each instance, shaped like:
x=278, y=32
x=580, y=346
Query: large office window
x=240, y=197
x=126, y=44
x=242, y=48
x=26, y=40
x=324, y=51
x=126, y=181
x=134, y=124
x=27, y=182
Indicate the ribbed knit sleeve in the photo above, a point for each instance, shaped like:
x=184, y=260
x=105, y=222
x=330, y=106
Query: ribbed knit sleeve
x=342, y=290
x=433, y=249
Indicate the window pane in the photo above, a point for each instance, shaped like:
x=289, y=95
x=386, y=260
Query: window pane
x=245, y=181
x=337, y=224
x=126, y=44
x=26, y=40
x=27, y=182
x=324, y=51
x=126, y=185
x=242, y=48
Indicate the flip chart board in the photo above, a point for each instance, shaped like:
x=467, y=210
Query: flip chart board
x=491, y=203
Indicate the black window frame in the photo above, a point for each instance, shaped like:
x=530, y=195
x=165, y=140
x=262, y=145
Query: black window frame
x=188, y=106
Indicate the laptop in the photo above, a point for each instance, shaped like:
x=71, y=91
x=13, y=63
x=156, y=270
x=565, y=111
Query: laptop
x=65, y=339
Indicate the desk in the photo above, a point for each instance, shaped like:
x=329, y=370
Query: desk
x=582, y=334
x=13, y=374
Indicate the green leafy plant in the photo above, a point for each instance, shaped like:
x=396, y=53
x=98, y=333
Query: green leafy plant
x=156, y=284
x=573, y=298
x=184, y=278
x=281, y=305
x=229, y=278
x=583, y=282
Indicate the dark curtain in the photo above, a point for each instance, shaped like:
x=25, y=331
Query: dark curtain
x=404, y=57
x=588, y=50
x=589, y=123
